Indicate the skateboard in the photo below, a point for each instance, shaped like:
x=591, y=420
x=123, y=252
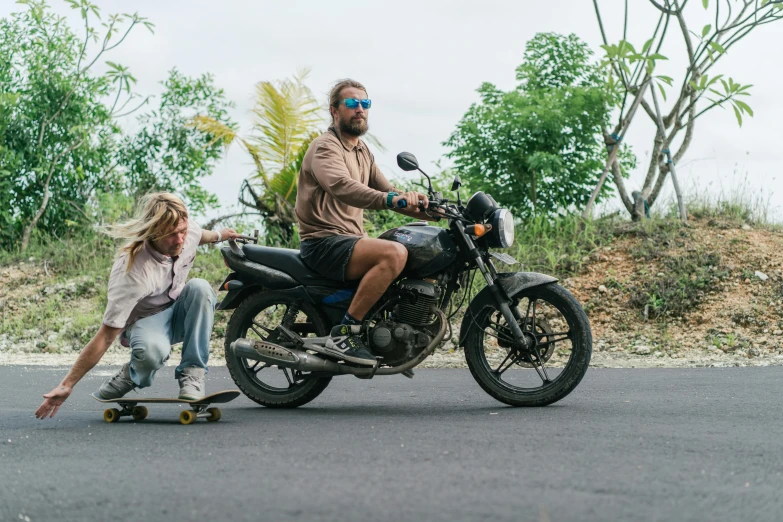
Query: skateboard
x=199, y=408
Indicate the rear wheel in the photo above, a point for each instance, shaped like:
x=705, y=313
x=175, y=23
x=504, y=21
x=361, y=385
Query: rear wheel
x=553, y=363
x=214, y=414
x=140, y=412
x=111, y=415
x=267, y=385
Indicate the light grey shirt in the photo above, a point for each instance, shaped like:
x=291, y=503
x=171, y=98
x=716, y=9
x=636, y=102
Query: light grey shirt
x=151, y=285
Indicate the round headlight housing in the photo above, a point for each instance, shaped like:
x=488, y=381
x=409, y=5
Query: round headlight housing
x=480, y=207
x=502, y=233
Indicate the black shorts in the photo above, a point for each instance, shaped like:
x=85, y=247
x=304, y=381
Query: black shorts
x=328, y=256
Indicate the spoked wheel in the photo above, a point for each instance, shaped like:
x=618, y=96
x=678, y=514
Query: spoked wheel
x=555, y=358
x=256, y=318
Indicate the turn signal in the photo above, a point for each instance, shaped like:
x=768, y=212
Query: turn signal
x=478, y=229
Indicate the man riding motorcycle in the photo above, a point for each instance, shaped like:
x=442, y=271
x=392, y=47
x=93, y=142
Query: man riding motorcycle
x=338, y=179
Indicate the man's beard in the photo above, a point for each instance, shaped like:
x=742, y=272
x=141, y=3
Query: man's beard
x=354, y=126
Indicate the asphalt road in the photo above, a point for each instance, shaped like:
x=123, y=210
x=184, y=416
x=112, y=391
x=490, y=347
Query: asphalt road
x=668, y=445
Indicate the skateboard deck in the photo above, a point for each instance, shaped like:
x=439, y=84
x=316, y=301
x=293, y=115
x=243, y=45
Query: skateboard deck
x=199, y=408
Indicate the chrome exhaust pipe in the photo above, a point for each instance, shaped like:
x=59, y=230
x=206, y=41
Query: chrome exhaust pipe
x=270, y=353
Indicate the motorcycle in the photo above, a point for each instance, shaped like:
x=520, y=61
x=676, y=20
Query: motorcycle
x=526, y=339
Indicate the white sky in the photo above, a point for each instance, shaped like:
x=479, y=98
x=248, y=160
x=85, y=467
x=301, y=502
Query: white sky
x=422, y=62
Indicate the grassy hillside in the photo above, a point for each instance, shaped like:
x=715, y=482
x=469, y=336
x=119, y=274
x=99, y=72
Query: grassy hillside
x=657, y=289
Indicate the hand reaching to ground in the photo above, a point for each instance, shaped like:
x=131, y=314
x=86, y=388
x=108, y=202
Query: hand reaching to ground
x=52, y=401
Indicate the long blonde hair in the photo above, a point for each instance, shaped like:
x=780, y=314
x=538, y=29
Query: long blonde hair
x=157, y=215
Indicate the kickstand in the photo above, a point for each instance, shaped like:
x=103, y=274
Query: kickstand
x=374, y=369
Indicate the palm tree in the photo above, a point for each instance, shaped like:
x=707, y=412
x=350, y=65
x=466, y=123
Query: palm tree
x=285, y=121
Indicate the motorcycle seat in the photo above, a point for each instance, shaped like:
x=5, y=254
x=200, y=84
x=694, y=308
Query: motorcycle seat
x=289, y=261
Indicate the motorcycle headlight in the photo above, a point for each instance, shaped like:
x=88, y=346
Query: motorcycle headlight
x=480, y=207
x=502, y=233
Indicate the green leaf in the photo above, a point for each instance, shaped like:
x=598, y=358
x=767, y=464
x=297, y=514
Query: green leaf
x=714, y=79
x=706, y=3
x=706, y=30
x=744, y=106
x=666, y=79
x=693, y=85
x=647, y=45
x=733, y=86
x=717, y=47
x=702, y=82
x=739, y=116
x=657, y=56
x=663, y=92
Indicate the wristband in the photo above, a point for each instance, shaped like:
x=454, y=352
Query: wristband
x=220, y=237
x=389, y=198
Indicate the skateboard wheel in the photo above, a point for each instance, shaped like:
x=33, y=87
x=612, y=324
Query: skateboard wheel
x=187, y=416
x=111, y=415
x=140, y=412
x=215, y=414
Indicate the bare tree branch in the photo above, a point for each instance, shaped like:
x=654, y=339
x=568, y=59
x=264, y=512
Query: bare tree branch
x=663, y=9
x=213, y=222
x=620, y=183
x=42, y=208
x=670, y=162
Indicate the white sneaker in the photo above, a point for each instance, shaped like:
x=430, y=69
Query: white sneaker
x=118, y=385
x=191, y=384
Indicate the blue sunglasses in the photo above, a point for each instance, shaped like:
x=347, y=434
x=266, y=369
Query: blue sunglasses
x=352, y=103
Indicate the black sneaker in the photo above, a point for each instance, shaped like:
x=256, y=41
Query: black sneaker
x=345, y=343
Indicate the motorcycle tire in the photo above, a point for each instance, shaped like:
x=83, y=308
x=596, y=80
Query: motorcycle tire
x=245, y=378
x=574, y=368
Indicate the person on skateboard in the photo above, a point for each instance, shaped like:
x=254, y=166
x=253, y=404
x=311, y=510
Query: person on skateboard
x=150, y=304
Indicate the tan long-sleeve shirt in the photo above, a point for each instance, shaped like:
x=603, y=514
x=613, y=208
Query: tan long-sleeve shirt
x=336, y=182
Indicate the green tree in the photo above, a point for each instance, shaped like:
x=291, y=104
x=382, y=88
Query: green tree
x=536, y=148
x=285, y=121
x=167, y=153
x=699, y=87
x=57, y=131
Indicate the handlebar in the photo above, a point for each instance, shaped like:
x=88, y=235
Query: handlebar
x=403, y=203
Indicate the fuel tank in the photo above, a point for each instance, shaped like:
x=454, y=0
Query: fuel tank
x=430, y=249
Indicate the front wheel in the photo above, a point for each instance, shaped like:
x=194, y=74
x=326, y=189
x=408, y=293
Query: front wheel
x=555, y=359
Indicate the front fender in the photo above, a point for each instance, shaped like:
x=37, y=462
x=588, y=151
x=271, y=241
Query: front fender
x=512, y=283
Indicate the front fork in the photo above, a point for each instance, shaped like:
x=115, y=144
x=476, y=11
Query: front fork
x=511, y=315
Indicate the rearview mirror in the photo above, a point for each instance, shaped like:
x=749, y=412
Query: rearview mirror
x=456, y=184
x=407, y=161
